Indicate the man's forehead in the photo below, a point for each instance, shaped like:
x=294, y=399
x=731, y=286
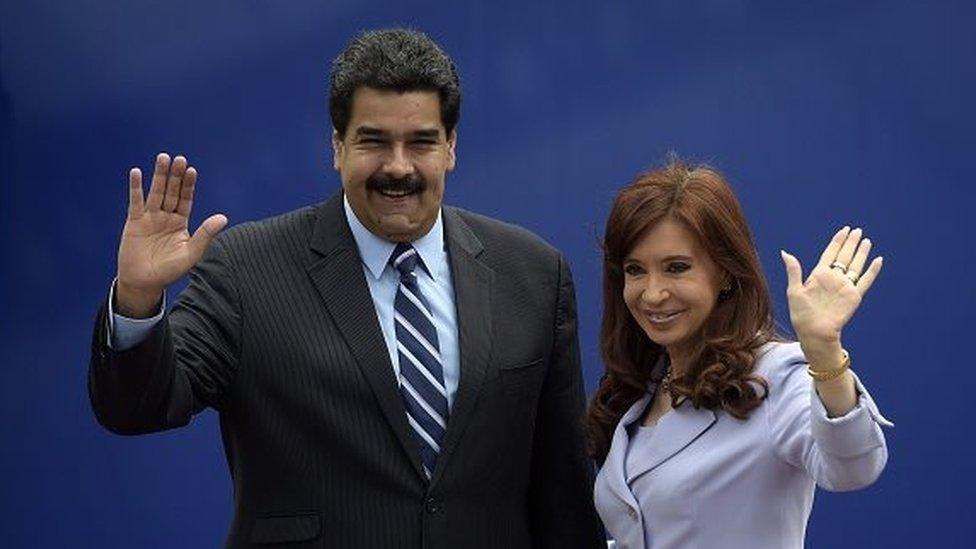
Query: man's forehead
x=376, y=100
x=390, y=111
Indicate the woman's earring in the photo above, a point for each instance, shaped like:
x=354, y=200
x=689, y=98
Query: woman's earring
x=725, y=293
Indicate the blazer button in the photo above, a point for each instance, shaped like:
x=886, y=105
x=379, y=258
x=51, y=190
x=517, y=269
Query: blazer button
x=433, y=506
x=631, y=513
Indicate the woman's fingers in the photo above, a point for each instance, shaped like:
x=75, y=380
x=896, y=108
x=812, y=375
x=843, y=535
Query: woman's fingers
x=846, y=253
x=860, y=258
x=833, y=248
x=864, y=283
x=794, y=271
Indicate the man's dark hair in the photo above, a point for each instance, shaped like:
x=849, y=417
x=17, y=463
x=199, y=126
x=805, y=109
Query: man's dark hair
x=400, y=60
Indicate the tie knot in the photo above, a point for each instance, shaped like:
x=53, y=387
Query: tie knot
x=404, y=258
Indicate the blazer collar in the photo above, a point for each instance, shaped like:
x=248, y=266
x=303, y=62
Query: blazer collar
x=615, y=468
x=336, y=270
x=473, y=283
x=375, y=251
x=674, y=432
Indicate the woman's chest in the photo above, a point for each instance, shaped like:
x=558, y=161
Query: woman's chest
x=686, y=466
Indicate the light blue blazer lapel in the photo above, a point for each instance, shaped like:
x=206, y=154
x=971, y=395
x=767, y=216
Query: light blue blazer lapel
x=674, y=432
x=614, y=468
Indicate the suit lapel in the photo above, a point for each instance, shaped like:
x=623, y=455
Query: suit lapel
x=472, y=296
x=673, y=433
x=336, y=270
x=615, y=467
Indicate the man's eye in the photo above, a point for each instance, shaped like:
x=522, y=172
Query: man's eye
x=424, y=142
x=677, y=267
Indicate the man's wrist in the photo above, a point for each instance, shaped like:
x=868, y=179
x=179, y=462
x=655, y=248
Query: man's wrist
x=136, y=303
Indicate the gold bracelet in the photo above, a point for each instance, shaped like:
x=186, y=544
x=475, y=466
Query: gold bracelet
x=821, y=375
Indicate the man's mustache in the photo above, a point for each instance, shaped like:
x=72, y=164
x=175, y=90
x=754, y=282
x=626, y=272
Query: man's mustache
x=409, y=184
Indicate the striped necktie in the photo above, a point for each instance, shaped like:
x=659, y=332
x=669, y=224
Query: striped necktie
x=421, y=374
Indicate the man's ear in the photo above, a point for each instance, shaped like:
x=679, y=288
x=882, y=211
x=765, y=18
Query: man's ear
x=336, y=149
x=451, y=145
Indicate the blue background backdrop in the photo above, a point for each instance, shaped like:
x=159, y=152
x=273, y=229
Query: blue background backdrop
x=820, y=114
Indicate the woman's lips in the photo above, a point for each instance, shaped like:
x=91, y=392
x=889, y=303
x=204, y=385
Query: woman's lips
x=663, y=317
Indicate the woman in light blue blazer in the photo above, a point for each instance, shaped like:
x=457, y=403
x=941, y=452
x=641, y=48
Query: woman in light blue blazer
x=711, y=430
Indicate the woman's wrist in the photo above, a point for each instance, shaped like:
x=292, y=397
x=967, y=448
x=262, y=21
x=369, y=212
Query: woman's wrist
x=824, y=356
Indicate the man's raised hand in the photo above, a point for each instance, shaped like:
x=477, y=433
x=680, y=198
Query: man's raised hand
x=156, y=247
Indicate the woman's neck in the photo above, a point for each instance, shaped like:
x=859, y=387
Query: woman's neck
x=680, y=359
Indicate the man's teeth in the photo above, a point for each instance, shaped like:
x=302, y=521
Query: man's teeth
x=394, y=194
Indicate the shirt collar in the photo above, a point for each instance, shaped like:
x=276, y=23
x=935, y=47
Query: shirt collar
x=376, y=251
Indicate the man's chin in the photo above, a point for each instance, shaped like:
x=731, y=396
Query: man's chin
x=398, y=228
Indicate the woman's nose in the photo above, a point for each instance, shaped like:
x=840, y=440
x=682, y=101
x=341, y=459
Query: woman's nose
x=654, y=292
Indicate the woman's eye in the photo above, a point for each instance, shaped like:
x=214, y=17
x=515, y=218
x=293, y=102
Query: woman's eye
x=632, y=269
x=677, y=267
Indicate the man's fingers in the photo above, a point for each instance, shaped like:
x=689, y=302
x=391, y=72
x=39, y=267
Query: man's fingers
x=186, y=192
x=205, y=233
x=867, y=279
x=833, y=248
x=173, y=184
x=158, y=186
x=136, y=204
x=794, y=271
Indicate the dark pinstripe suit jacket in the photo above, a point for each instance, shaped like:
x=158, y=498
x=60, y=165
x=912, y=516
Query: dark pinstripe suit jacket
x=278, y=333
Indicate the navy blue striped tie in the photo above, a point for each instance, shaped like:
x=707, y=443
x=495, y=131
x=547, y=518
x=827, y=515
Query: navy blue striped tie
x=421, y=372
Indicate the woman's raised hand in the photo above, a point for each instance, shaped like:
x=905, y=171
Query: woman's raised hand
x=822, y=305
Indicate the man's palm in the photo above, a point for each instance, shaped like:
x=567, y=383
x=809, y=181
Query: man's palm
x=156, y=247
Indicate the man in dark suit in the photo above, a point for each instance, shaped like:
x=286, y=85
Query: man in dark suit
x=389, y=372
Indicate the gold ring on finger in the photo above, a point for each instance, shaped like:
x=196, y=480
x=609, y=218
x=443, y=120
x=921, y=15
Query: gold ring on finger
x=841, y=266
x=852, y=277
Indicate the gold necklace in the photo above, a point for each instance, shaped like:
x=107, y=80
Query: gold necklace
x=666, y=382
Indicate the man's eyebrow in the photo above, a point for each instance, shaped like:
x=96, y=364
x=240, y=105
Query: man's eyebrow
x=368, y=131
x=426, y=133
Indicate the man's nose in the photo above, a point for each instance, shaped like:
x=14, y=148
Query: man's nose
x=398, y=162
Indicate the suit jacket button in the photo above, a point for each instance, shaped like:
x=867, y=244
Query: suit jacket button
x=433, y=506
x=631, y=513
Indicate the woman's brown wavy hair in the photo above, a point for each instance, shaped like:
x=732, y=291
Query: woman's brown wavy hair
x=721, y=374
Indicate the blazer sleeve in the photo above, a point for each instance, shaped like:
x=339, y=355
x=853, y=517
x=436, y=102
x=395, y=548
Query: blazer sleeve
x=185, y=364
x=561, y=507
x=840, y=454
